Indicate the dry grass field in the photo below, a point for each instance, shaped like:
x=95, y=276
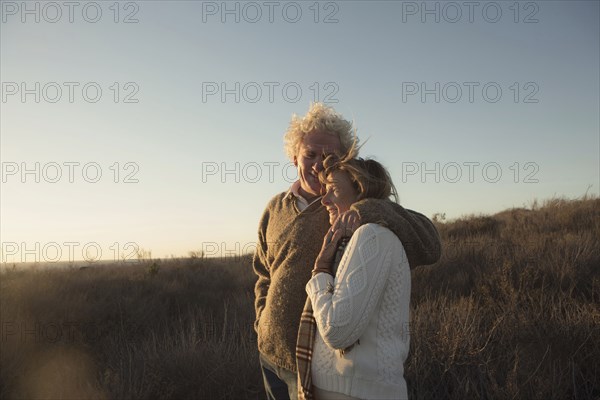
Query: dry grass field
x=511, y=311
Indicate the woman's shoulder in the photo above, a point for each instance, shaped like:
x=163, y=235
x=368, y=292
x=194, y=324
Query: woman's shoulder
x=376, y=233
x=373, y=229
x=373, y=240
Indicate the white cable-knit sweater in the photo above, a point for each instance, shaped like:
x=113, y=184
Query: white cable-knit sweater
x=366, y=304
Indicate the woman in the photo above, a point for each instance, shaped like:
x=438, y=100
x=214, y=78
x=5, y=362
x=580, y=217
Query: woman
x=362, y=309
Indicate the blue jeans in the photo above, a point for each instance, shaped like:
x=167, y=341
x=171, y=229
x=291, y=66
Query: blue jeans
x=280, y=383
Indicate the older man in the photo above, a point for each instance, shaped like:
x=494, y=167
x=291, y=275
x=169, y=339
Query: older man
x=291, y=233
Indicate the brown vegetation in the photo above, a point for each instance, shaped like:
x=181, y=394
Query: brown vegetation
x=510, y=311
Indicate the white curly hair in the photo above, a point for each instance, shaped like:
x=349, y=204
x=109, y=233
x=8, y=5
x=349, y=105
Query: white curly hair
x=319, y=117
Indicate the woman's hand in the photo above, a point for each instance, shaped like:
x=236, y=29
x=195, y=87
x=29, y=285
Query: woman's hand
x=349, y=222
x=325, y=259
x=344, y=226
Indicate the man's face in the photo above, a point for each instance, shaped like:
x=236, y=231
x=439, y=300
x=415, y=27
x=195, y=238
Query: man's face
x=309, y=160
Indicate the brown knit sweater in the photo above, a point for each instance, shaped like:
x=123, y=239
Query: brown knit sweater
x=288, y=244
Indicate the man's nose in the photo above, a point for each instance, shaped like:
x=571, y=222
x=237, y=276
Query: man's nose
x=325, y=199
x=318, y=165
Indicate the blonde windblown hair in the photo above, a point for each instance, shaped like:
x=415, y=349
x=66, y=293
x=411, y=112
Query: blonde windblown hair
x=369, y=177
x=318, y=118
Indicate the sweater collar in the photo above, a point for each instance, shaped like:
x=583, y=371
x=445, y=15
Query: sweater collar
x=301, y=202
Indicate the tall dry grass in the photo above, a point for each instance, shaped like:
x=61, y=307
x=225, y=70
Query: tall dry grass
x=511, y=311
x=129, y=332
x=512, y=308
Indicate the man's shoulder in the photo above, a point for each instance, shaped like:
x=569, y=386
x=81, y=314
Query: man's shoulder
x=277, y=199
x=277, y=203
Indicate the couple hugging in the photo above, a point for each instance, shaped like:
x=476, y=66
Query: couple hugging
x=333, y=262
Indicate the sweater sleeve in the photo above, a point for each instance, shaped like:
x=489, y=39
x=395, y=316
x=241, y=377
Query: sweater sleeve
x=260, y=266
x=343, y=305
x=417, y=233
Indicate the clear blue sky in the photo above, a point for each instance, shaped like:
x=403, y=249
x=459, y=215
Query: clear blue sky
x=516, y=84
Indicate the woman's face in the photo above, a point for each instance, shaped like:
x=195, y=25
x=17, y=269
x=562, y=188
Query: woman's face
x=340, y=194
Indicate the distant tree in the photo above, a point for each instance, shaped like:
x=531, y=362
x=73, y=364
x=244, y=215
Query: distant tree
x=439, y=217
x=143, y=254
x=194, y=254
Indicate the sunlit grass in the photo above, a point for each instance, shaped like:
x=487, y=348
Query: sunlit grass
x=510, y=311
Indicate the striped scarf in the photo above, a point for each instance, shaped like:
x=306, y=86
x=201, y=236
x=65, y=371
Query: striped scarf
x=307, y=333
